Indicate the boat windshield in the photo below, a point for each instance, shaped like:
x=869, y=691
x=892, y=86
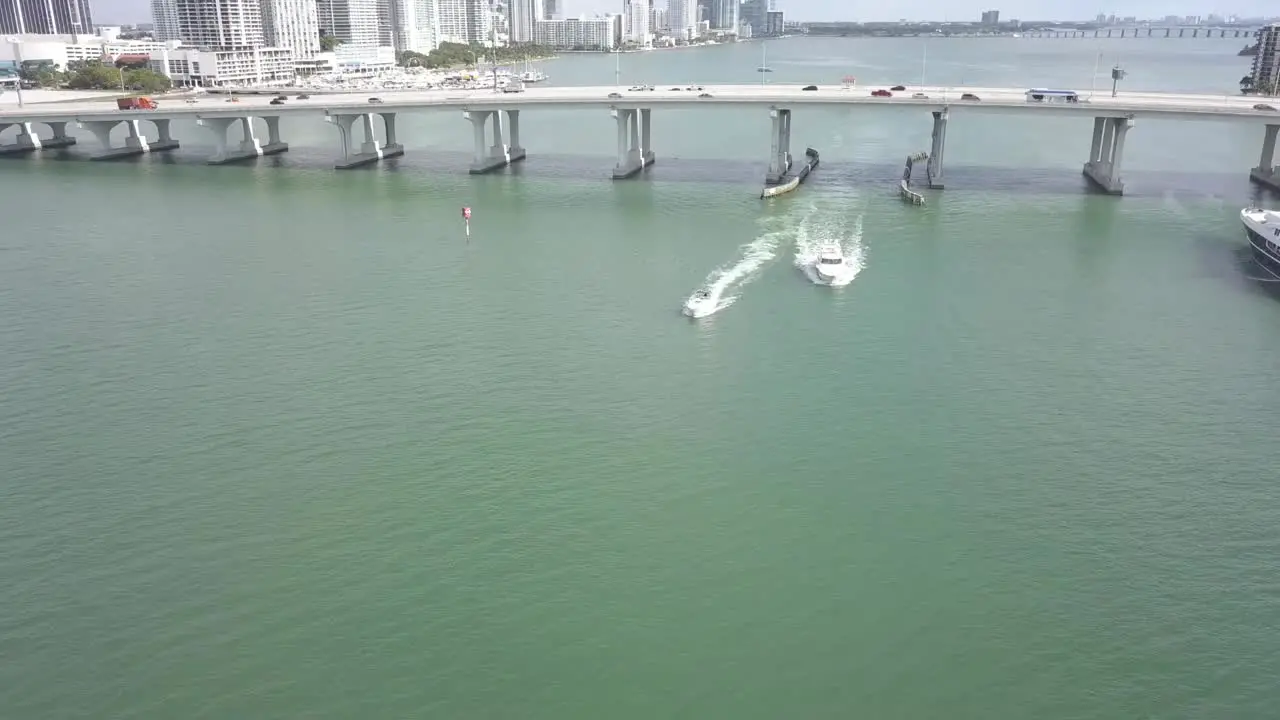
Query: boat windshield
x=831, y=261
x=702, y=294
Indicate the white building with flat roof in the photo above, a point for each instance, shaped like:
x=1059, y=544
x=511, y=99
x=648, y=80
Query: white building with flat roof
x=603, y=33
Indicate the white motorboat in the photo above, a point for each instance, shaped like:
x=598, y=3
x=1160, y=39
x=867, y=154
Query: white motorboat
x=830, y=265
x=1263, y=229
x=700, y=304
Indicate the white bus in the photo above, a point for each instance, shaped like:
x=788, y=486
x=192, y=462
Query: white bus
x=1053, y=96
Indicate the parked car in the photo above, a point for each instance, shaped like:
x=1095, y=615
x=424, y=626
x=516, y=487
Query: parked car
x=282, y=98
x=705, y=95
x=898, y=88
x=277, y=101
x=920, y=96
x=675, y=88
x=304, y=96
x=809, y=87
x=1264, y=106
x=881, y=93
x=375, y=101
x=969, y=96
x=615, y=96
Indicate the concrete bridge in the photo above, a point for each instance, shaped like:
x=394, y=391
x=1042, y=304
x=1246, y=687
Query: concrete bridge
x=495, y=119
x=1143, y=32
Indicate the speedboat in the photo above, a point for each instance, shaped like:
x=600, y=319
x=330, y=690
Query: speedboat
x=1263, y=229
x=700, y=304
x=830, y=264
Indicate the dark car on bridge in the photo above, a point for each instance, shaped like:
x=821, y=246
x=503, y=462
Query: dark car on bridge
x=809, y=87
x=881, y=93
x=969, y=96
x=898, y=88
x=1264, y=106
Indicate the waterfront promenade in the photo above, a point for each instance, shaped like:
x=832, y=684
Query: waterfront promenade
x=496, y=120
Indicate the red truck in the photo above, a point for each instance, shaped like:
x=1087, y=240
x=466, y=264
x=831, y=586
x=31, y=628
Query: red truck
x=136, y=103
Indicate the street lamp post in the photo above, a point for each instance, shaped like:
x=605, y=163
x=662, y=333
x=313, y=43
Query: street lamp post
x=16, y=43
x=1116, y=76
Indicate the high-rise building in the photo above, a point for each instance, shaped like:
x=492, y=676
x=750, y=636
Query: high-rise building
x=353, y=22
x=991, y=17
x=635, y=22
x=602, y=33
x=682, y=18
x=550, y=9
x=523, y=14
x=229, y=41
x=414, y=25
x=657, y=19
x=292, y=24
x=223, y=25
x=164, y=15
x=46, y=17
x=464, y=21
x=1266, y=64
x=724, y=15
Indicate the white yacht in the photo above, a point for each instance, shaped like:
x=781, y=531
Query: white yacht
x=1263, y=229
x=700, y=304
x=830, y=264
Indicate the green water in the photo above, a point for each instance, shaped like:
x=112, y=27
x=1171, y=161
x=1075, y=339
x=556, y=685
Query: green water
x=278, y=442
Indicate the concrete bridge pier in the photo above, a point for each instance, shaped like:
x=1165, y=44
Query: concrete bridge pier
x=250, y=145
x=29, y=140
x=369, y=151
x=634, y=135
x=1106, y=154
x=489, y=157
x=1264, y=174
x=135, y=144
x=780, y=147
x=933, y=169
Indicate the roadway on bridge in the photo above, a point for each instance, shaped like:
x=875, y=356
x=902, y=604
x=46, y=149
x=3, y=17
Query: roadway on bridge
x=1096, y=102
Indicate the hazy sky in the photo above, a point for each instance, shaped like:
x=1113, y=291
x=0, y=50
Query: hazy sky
x=132, y=11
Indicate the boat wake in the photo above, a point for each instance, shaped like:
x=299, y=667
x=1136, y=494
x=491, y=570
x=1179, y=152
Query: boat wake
x=725, y=283
x=818, y=229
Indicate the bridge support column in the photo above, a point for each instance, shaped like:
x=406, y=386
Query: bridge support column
x=250, y=145
x=634, y=154
x=1106, y=153
x=489, y=157
x=369, y=151
x=1264, y=174
x=28, y=139
x=780, y=147
x=135, y=143
x=934, y=167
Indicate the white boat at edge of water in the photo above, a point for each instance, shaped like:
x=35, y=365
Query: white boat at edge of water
x=1263, y=230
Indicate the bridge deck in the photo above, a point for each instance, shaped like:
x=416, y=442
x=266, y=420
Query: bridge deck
x=1006, y=100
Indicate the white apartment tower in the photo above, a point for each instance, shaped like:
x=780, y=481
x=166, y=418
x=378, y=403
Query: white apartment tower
x=523, y=14
x=223, y=25
x=414, y=26
x=464, y=21
x=682, y=18
x=354, y=22
x=164, y=14
x=635, y=22
x=292, y=24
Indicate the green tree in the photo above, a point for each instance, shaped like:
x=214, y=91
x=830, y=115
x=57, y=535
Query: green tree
x=1246, y=84
x=328, y=42
x=42, y=73
x=93, y=75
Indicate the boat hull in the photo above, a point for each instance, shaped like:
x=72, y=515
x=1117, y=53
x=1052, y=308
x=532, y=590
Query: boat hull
x=1266, y=251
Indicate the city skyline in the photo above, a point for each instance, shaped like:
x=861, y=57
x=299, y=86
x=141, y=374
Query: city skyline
x=139, y=11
